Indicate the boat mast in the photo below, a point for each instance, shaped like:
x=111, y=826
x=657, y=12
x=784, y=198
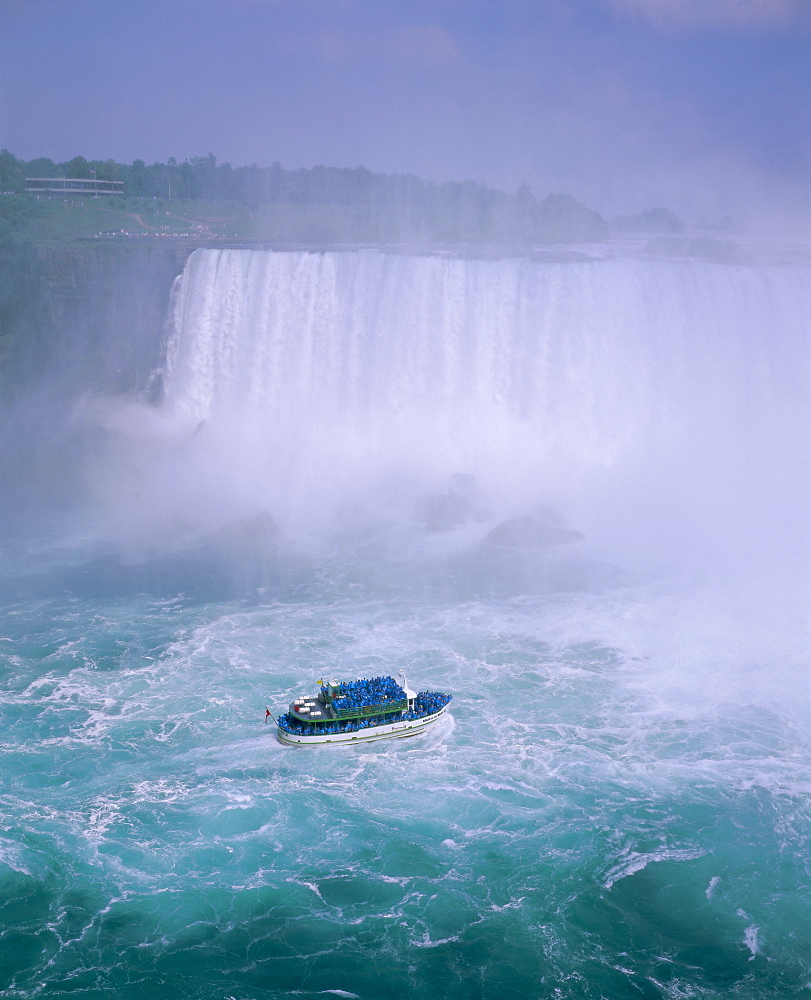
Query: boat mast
x=410, y=695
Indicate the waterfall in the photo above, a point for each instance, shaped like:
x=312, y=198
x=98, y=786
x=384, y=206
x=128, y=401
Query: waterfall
x=646, y=392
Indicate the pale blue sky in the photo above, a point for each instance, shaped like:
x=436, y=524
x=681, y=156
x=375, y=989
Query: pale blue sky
x=703, y=105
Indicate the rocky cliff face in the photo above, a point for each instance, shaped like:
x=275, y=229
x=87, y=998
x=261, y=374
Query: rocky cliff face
x=88, y=318
x=74, y=322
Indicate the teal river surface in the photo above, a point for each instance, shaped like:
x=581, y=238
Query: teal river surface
x=616, y=805
x=585, y=824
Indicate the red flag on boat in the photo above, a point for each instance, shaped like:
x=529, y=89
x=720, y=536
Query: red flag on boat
x=267, y=713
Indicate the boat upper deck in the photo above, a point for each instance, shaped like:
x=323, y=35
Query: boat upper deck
x=359, y=699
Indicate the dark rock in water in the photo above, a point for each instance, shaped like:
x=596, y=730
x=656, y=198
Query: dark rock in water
x=251, y=534
x=547, y=515
x=527, y=532
x=445, y=511
x=464, y=487
x=441, y=512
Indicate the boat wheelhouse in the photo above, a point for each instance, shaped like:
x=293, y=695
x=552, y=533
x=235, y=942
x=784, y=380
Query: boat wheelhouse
x=360, y=711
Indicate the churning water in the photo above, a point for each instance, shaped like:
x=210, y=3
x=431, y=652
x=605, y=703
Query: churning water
x=363, y=462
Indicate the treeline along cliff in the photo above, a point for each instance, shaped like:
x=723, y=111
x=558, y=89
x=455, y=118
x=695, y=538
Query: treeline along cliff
x=336, y=203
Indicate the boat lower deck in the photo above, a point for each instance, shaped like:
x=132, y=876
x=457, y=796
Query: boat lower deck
x=399, y=729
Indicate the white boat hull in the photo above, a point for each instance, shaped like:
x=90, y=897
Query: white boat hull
x=391, y=731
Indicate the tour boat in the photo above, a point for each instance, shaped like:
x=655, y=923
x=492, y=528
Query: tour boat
x=360, y=711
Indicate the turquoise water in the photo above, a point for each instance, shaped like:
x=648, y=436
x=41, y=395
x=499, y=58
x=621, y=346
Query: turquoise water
x=617, y=805
x=591, y=821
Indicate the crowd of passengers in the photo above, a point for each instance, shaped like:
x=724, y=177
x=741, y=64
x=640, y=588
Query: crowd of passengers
x=361, y=694
x=426, y=703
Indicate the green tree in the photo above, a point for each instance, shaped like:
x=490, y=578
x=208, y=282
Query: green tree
x=105, y=170
x=12, y=173
x=77, y=167
x=138, y=180
x=15, y=212
x=41, y=167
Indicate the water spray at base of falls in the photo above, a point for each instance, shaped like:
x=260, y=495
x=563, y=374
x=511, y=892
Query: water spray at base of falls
x=660, y=406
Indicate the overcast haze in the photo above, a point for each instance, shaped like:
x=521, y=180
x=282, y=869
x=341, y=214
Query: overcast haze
x=700, y=105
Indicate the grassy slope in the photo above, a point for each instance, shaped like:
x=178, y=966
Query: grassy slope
x=61, y=221
x=57, y=221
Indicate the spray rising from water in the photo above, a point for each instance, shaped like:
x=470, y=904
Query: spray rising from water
x=660, y=405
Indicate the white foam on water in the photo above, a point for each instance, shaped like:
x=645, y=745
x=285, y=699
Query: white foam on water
x=750, y=939
x=711, y=886
x=636, y=862
x=426, y=942
x=308, y=885
x=12, y=855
